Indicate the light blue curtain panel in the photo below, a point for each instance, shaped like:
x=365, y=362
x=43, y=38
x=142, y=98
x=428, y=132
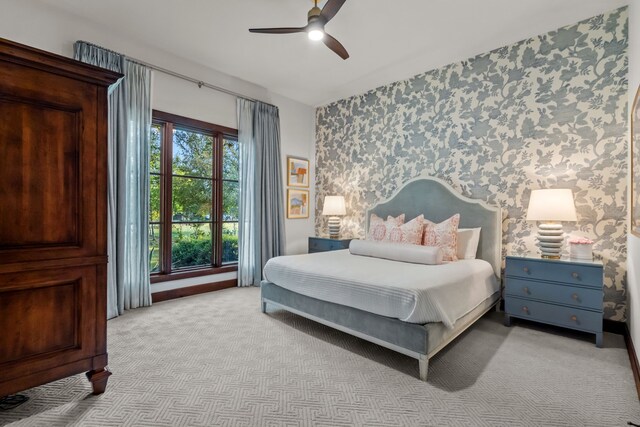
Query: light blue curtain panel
x=248, y=238
x=128, y=283
x=261, y=233
x=266, y=131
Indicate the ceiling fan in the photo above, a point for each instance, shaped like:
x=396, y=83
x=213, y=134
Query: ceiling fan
x=316, y=20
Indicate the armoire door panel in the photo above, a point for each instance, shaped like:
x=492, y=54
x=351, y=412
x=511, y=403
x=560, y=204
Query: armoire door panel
x=44, y=314
x=49, y=166
x=41, y=174
x=54, y=328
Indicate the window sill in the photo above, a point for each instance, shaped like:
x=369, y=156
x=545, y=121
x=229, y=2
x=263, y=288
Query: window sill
x=158, y=278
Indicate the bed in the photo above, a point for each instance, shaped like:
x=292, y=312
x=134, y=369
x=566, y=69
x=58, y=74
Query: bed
x=378, y=300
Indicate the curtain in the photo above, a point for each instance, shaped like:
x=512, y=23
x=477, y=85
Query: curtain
x=128, y=283
x=261, y=232
x=248, y=239
x=133, y=192
x=270, y=202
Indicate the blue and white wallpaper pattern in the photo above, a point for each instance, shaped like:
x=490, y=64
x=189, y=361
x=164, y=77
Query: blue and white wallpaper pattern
x=547, y=112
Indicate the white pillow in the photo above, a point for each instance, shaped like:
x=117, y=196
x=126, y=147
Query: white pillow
x=468, y=239
x=415, y=254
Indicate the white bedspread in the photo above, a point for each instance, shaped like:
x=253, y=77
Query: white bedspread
x=415, y=293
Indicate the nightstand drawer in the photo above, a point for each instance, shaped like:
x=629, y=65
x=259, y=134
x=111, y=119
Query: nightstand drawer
x=549, y=313
x=335, y=246
x=552, y=292
x=574, y=274
x=317, y=245
x=321, y=244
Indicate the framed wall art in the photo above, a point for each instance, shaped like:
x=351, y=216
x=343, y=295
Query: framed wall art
x=297, y=172
x=297, y=203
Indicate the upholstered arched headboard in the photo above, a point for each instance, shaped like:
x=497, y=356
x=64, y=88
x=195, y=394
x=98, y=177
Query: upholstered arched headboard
x=437, y=200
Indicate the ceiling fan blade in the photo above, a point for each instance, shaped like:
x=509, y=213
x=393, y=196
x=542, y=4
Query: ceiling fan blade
x=331, y=8
x=285, y=30
x=335, y=46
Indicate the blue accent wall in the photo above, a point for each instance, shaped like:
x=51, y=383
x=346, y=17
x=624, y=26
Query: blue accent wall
x=547, y=112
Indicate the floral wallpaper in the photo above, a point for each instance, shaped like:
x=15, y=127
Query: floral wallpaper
x=547, y=112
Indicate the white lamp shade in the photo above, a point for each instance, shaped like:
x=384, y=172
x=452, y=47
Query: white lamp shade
x=334, y=206
x=552, y=205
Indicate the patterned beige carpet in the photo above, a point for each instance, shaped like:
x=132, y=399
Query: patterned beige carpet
x=214, y=359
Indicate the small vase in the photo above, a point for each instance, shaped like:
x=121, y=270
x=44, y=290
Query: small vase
x=581, y=251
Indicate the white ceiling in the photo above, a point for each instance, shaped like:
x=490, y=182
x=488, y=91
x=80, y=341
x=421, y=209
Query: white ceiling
x=387, y=40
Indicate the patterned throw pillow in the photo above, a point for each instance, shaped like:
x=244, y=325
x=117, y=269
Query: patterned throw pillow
x=410, y=233
x=444, y=235
x=379, y=228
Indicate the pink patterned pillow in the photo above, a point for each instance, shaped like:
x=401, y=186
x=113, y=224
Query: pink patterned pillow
x=444, y=235
x=410, y=233
x=379, y=228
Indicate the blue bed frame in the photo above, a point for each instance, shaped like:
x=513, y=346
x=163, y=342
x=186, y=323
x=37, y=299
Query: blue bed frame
x=437, y=200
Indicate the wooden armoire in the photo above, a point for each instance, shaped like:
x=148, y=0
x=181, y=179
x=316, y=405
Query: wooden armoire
x=53, y=218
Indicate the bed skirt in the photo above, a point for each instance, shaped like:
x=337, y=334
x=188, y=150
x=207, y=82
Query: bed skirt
x=408, y=338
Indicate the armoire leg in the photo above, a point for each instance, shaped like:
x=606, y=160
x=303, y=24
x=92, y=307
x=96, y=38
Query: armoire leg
x=99, y=378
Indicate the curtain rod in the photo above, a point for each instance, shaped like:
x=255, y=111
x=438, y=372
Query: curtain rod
x=200, y=83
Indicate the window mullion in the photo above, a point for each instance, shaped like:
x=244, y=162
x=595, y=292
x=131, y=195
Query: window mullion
x=167, y=214
x=217, y=199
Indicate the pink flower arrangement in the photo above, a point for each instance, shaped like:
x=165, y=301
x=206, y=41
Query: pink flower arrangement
x=580, y=241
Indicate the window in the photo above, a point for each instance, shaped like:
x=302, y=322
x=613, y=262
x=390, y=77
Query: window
x=193, y=197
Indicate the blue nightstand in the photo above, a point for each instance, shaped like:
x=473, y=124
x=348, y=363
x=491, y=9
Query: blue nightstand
x=564, y=292
x=324, y=244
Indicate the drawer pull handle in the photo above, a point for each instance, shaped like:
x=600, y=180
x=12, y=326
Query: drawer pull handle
x=525, y=309
x=525, y=269
x=575, y=275
x=574, y=318
x=525, y=290
x=575, y=297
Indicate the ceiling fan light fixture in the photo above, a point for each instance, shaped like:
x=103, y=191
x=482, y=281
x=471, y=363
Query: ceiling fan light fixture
x=316, y=20
x=316, y=35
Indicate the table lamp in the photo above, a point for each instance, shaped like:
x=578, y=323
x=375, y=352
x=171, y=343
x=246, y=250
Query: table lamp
x=334, y=207
x=551, y=206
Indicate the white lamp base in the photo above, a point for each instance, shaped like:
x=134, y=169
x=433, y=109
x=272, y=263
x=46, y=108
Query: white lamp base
x=550, y=240
x=334, y=227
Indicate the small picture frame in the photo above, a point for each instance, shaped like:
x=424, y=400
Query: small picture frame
x=297, y=172
x=297, y=203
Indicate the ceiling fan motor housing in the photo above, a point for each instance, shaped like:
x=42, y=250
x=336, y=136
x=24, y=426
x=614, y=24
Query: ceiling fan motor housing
x=314, y=11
